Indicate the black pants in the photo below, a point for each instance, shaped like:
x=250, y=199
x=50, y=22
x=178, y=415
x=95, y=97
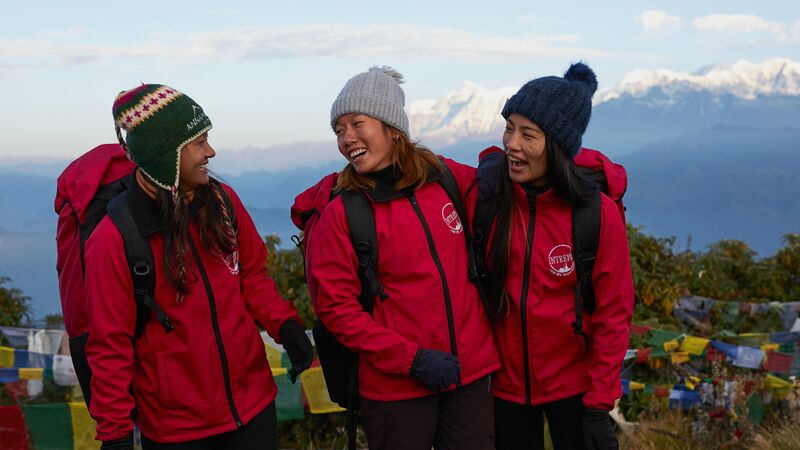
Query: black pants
x=521, y=427
x=458, y=420
x=261, y=433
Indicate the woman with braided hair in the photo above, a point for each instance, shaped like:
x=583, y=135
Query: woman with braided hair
x=198, y=377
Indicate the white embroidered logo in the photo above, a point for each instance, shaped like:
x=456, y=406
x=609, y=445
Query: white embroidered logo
x=450, y=216
x=232, y=262
x=197, y=119
x=560, y=260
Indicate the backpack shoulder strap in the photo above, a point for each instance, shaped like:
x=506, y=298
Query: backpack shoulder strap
x=585, y=237
x=475, y=267
x=450, y=186
x=140, y=261
x=482, y=220
x=361, y=220
x=96, y=211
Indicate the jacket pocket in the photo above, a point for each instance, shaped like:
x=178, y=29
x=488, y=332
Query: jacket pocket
x=163, y=379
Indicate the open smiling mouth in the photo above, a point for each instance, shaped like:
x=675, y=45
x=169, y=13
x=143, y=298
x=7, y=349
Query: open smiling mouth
x=355, y=154
x=516, y=163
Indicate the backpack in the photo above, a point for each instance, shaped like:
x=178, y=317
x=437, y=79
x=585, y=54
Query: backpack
x=605, y=176
x=93, y=185
x=339, y=364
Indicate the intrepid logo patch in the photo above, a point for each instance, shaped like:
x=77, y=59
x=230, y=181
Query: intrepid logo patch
x=450, y=216
x=560, y=260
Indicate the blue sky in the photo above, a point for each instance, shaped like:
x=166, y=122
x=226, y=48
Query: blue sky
x=266, y=72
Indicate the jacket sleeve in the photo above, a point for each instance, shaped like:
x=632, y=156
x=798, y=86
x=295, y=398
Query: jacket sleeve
x=112, y=321
x=260, y=293
x=336, y=287
x=613, y=286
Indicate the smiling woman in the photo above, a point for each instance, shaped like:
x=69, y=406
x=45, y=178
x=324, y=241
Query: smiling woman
x=201, y=380
x=426, y=350
x=194, y=163
x=554, y=363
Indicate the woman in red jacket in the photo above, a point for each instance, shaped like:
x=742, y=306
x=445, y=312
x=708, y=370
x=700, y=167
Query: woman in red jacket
x=426, y=351
x=548, y=369
x=205, y=383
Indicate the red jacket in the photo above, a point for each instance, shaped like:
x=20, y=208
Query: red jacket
x=558, y=364
x=426, y=308
x=210, y=374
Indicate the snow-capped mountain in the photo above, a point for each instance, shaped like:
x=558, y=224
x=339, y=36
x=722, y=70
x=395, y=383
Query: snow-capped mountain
x=470, y=112
x=745, y=80
x=744, y=93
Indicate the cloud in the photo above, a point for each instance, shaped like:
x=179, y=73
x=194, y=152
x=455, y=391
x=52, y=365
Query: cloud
x=58, y=53
x=655, y=19
x=311, y=41
x=395, y=41
x=748, y=23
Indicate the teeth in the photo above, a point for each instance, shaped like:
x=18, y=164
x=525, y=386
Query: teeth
x=356, y=153
x=515, y=161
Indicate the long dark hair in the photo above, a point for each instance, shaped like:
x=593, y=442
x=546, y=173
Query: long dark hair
x=214, y=212
x=567, y=183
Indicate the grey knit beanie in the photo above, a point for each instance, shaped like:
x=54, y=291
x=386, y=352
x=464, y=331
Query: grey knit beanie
x=560, y=106
x=375, y=93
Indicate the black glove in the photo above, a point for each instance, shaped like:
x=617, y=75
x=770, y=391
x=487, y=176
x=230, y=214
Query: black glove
x=598, y=433
x=488, y=175
x=298, y=347
x=125, y=443
x=436, y=370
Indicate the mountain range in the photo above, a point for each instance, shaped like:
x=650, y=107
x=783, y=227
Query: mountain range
x=710, y=155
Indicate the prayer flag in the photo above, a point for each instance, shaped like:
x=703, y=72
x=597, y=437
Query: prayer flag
x=643, y=354
x=83, y=428
x=679, y=357
x=13, y=432
x=671, y=345
x=694, y=345
x=50, y=425
x=6, y=357
x=9, y=375
x=778, y=362
x=31, y=374
x=748, y=357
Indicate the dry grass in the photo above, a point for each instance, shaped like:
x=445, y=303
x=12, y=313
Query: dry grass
x=783, y=438
x=663, y=432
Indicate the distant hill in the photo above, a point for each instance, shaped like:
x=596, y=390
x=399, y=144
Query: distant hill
x=725, y=182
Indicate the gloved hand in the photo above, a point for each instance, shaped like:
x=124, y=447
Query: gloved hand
x=436, y=370
x=598, y=433
x=125, y=443
x=298, y=347
x=489, y=170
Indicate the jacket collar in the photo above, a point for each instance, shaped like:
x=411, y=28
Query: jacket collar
x=384, y=192
x=145, y=211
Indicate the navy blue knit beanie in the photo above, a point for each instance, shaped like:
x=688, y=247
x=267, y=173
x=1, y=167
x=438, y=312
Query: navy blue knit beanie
x=561, y=107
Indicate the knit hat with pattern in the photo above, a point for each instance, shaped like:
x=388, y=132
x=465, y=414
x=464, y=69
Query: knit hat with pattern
x=375, y=93
x=561, y=107
x=158, y=121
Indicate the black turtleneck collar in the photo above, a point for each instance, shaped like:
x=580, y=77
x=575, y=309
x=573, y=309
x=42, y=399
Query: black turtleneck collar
x=385, y=180
x=533, y=191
